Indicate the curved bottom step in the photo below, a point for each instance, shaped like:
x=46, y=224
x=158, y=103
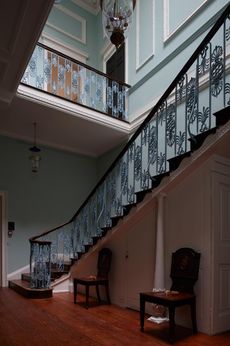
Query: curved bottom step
x=22, y=287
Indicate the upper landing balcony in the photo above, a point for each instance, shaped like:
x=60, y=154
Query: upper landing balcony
x=76, y=108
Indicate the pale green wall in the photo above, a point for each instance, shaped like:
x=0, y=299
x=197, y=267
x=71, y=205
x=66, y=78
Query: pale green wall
x=38, y=202
x=160, y=61
x=67, y=24
x=105, y=161
x=160, y=58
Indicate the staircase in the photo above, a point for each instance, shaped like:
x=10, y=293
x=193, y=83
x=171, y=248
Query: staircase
x=195, y=106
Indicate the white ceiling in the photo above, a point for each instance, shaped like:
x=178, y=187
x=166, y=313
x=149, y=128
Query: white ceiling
x=71, y=128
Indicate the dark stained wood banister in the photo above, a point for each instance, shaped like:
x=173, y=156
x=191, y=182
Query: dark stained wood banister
x=189, y=63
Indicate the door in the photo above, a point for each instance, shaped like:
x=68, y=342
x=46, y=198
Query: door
x=115, y=66
x=221, y=251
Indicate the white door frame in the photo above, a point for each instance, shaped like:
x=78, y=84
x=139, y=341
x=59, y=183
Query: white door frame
x=3, y=251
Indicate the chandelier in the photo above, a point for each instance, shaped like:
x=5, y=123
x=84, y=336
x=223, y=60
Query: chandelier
x=35, y=157
x=117, y=17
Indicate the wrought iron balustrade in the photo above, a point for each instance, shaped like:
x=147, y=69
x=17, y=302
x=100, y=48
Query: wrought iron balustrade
x=184, y=112
x=57, y=74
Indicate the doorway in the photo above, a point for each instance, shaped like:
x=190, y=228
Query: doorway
x=115, y=65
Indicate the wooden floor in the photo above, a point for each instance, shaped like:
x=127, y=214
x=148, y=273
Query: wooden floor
x=57, y=321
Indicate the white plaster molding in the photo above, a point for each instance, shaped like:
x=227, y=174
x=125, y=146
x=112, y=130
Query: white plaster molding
x=79, y=19
x=167, y=33
x=106, y=54
x=17, y=273
x=93, y=8
x=140, y=64
x=127, y=61
x=70, y=51
x=4, y=238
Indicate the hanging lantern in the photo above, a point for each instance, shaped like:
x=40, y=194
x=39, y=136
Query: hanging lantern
x=116, y=18
x=35, y=158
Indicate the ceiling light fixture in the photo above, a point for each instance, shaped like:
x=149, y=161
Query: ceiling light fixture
x=35, y=158
x=116, y=18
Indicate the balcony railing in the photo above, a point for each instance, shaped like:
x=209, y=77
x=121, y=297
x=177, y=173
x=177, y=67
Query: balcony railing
x=72, y=80
x=183, y=113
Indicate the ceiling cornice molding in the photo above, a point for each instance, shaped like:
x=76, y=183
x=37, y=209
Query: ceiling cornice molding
x=92, y=6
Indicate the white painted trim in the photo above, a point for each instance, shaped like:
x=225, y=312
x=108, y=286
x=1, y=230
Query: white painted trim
x=127, y=61
x=4, y=239
x=167, y=33
x=70, y=51
x=106, y=53
x=140, y=64
x=71, y=108
x=75, y=38
x=79, y=19
x=17, y=273
x=92, y=8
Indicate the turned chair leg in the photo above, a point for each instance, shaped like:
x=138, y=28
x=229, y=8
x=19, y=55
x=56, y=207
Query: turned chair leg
x=98, y=294
x=75, y=291
x=193, y=316
x=107, y=293
x=171, y=324
x=86, y=296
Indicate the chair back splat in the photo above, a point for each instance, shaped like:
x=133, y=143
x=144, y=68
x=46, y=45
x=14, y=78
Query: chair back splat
x=184, y=269
x=104, y=263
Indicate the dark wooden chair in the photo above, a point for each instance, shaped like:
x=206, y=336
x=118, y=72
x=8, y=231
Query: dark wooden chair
x=101, y=279
x=184, y=274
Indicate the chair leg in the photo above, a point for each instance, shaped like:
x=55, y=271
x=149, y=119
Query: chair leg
x=75, y=291
x=86, y=296
x=193, y=316
x=98, y=294
x=142, y=312
x=107, y=293
x=171, y=324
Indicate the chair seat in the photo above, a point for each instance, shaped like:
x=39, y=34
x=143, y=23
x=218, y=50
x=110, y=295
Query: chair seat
x=91, y=280
x=165, y=298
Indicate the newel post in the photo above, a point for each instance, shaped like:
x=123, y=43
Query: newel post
x=40, y=264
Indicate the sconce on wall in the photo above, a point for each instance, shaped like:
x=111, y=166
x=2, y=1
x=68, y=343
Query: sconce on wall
x=35, y=158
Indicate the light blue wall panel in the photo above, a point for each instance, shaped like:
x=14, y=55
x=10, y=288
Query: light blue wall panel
x=70, y=26
x=59, y=18
x=145, y=32
x=179, y=11
x=39, y=202
x=171, y=53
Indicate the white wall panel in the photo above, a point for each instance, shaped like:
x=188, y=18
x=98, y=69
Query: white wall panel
x=145, y=32
x=178, y=13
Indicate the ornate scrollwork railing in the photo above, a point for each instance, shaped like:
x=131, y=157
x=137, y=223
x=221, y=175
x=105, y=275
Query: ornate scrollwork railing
x=60, y=75
x=184, y=111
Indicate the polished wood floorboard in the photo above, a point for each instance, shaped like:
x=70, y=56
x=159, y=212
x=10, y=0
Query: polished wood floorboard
x=57, y=321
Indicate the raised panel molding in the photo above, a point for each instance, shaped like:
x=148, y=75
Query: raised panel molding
x=71, y=52
x=167, y=33
x=88, y=5
x=224, y=292
x=150, y=37
x=224, y=216
x=82, y=21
